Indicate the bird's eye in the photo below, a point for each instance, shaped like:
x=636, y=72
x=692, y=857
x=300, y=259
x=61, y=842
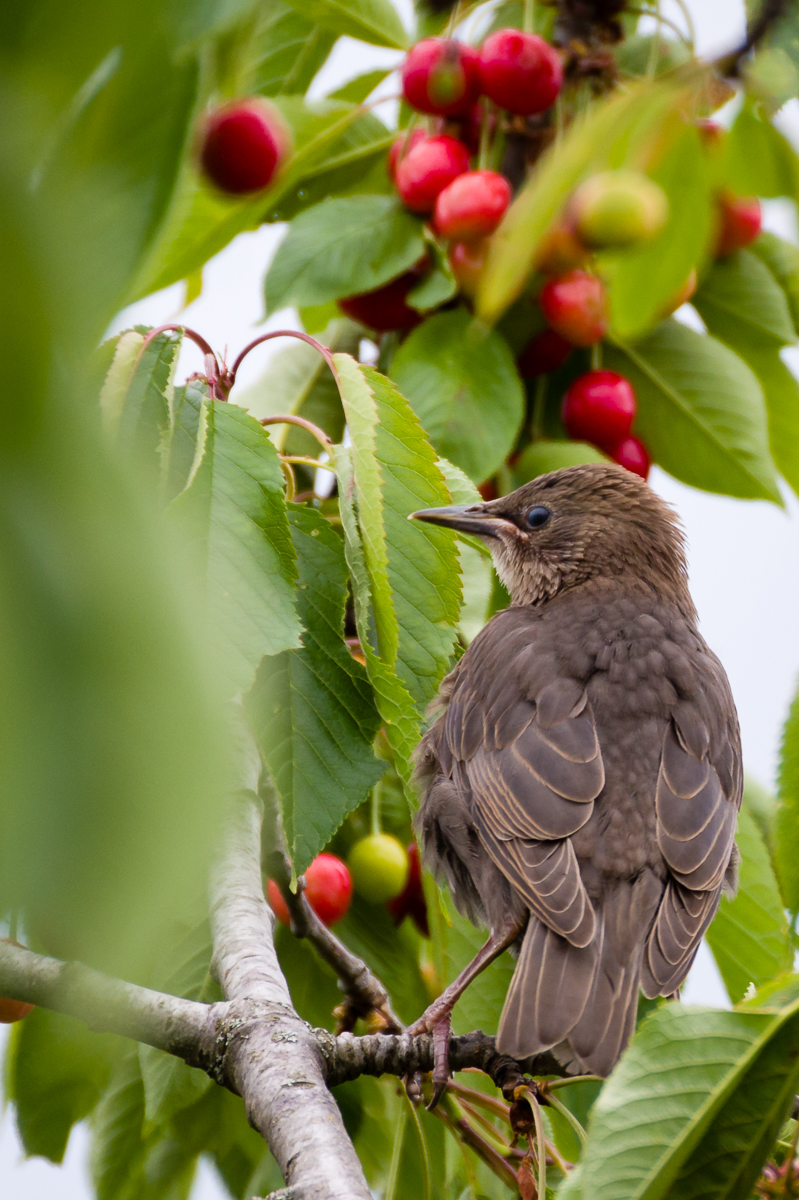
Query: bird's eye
x=537, y=517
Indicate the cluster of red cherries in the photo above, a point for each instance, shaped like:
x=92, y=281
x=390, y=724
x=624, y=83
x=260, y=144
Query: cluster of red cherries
x=378, y=867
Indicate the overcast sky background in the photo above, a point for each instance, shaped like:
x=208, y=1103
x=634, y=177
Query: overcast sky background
x=743, y=555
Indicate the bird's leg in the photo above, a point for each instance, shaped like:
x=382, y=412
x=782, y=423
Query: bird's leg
x=437, y=1017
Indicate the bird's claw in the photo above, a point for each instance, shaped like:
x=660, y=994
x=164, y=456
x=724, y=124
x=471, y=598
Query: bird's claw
x=441, y=1073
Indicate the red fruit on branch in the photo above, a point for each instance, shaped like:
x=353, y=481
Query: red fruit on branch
x=599, y=407
x=441, y=76
x=427, y=168
x=575, y=305
x=411, y=902
x=616, y=209
x=402, y=146
x=467, y=260
x=379, y=867
x=472, y=206
x=385, y=308
x=630, y=453
x=328, y=890
x=243, y=146
x=546, y=352
x=740, y=222
x=520, y=72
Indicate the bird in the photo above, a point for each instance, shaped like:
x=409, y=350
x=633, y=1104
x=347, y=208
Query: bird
x=582, y=777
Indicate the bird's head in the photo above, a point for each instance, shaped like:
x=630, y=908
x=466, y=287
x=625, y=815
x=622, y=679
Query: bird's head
x=580, y=523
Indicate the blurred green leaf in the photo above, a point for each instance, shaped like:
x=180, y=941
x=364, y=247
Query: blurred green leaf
x=118, y=1147
x=742, y=303
x=435, y=288
x=461, y=381
x=179, y=444
x=59, y=1069
x=313, y=986
x=373, y=21
x=481, y=1004
x=782, y=259
x=762, y=806
x=393, y=954
x=787, y=825
x=749, y=936
x=630, y=129
x=233, y=509
x=136, y=398
x=758, y=160
x=312, y=709
x=693, y=1086
x=409, y=570
x=343, y=247
x=701, y=411
x=541, y=457
x=358, y=89
x=286, y=49
x=643, y=281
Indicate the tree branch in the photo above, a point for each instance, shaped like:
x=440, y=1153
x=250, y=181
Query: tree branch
x=364, y=994
x=770, y=13
x=270, y=1056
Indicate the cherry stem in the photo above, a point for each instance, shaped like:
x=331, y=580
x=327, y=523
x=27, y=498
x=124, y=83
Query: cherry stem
x=289, y=419
x=528, y=20
x=219, y=381
x=376, y=826
x=596, y=356
x=485, y=135
x=268, y=337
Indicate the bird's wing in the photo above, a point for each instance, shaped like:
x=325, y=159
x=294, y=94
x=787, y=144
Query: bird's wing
x=526, y=748
x=697, y=800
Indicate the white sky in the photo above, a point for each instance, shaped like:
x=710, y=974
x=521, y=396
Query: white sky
x=743, y=555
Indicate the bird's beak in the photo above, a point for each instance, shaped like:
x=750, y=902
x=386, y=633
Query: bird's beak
x=465, y=518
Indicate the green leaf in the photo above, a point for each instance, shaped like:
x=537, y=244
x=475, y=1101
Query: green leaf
x=782, y=259
x=701, y=412
x=356, y=90
x=136, y=398
x=408, y=572
x=462, y=383
x=286, y=49
x=312, y=983
x=58, y=1072
x=312, y=709
x=749, y=937
x=642, y=281
x=541, y=457
x=685, y=1085
x=234, y=511
x=297, y=381
x=481, y=1004
x=118, y=1149
x=437, y=286
x=393, y=954
x=629, y=129
x=373, y=21
x=759, y=161
x=179, y=443
x=742, y=303
x=787, y=840
x=342, y=247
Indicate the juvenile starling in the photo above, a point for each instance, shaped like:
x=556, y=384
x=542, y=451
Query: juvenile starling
x=582, y=781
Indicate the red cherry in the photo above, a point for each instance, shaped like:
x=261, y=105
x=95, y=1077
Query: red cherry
x=385, y=309
x=243, y=146
x=441, y=76
x=576, y=307
x=741, y=222
x=711, y=133
x=520, y=72
x=472, y=206
x=546, y=352
x=427, y=169
x=402, y=146
x=467, y=260
x=560, y=250
x=328, y=889
x=599, y=408
x=630, y=453
x=488, y=490
x=411, y=902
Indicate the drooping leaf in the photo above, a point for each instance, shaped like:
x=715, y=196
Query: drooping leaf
x=749, y=937
x=625, y=130
x=59, y=1069
x=373, y=21
x=411, y=572
x=342, y=247
x=759, y=161
x=234, y=511
x=358, y=89
x=462, y=383
x=741, y=302
x=118, y=1147
x=787, y=827
x=692, y=1080
x=642, y=281
x=136, y=397
x=312, y=709
x=782, y=259
x=701, y=411
x=286, y=49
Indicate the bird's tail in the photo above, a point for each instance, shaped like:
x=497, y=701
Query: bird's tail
x=581, y=1002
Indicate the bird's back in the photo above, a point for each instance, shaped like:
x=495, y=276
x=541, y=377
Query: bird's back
x=586, y=769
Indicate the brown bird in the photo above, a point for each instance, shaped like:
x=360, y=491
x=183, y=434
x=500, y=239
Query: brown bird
x=582, y=781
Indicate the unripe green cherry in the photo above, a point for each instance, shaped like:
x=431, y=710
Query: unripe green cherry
x=616, y=209
x=379, y=867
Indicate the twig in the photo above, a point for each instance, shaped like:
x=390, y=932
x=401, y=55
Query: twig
x=462, y=1130
x=770, y=13
x=364, y=993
